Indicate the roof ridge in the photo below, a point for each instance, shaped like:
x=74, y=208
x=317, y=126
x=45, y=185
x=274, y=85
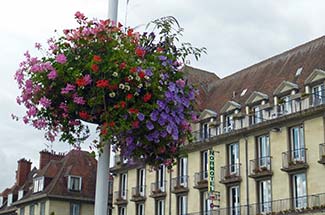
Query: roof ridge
x=56, y=179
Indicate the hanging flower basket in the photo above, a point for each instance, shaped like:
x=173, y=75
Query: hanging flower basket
x=129, y=84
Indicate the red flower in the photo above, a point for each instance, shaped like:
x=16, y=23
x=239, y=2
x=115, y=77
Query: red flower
x=140, y=52
x=130, y=32
x=122, y=65
x=135, y=124
x=147, y=97
x=84, y=115
x=112, y=87
x=116, y=106
x=81, y=82
x=129, y=96
x=94, y=68
x=102, y=83
x=159, y=49
x=123, y=104
x=97, y=59
x=141, y=74
x=133, y=69
x=111, y=124
x=133, y=110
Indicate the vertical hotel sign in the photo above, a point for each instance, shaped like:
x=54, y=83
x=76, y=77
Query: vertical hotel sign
x=211, y=175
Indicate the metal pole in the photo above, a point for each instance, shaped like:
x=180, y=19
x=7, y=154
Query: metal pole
x=101, y=198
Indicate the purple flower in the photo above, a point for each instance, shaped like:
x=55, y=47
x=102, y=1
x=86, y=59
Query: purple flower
x=149, y=125
x=31, y=111
x=68, y=88
x=61, y=58
x=45, y=102
x=162, y=58
x=161, y=121
x=172, y=86
x=129, y=140
x=149, y=72
x=163, y=134
x=140, y=117
x=78, y=100
x=154, y=115
x=161, y=104
x=180, y=83
x=52, y=75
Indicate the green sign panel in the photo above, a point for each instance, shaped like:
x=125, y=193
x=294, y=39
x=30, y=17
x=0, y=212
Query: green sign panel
x=211, y=172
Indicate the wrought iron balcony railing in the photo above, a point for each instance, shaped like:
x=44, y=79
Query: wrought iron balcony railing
x=294, y=160
x=260, y=167
x=180, y=184
x=201, y=179
x=230, y=173
x=138, y=193
x=158, y=189
x=121, y=196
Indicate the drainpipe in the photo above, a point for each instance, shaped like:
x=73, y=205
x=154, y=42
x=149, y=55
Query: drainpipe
x=170, y=192
x=247, y=185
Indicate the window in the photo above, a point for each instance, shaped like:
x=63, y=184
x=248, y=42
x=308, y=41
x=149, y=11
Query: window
x=140, y=209
x=265, y=196
x=32, y=210
x=20, y=194
x=74, y=209
x=10, y=199
x=74, y=183
x=160, y=207
x=1, y=201
x=42, y=208
x=182, y=171
x=182, y=205
x=122, y=210
x=318, y=94
x=257, y=115
x=233, y=158
x=263, y=151
x=229, y=123
x=141, y=181
x=297, y=145
x=161, y=177
x=286, y=105
x=234, y=200
x=38, y=184
x=205, y=131
x=22, y=211
x=123, y=185
x=204, y=164
x=299, y=190
x=205, y=203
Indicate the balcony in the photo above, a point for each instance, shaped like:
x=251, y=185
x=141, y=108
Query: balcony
x=138, y=193
x=201, y=180
x=230, y=174
x=200, y=136
x=121, y=197
x=321, y=153
x=294, y=160
x=180, y=184
x=158, y=189
x=260, y=167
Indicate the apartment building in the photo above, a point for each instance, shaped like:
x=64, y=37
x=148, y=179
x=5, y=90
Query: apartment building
x=64, y=184
x=266, y=126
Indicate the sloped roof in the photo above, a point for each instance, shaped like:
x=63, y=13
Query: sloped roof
x=267, y=75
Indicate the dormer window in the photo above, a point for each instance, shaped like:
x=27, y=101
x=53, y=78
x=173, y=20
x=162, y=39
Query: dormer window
x=74, y=183
x=318, y=94
x=229, y=123
x=10, y=199
x=1, y=201
x=38, y=184
x=20, y=194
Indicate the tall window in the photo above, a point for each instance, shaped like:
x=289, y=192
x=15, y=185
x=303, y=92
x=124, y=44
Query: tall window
x=204, y=164
x=140, y=209
x=297, y=143
x=160, y=207
x=286, y=105
x=205, y=131
x=265, y=196
x=20, y=194
x=234, y=200
x=318, y=94
x=10, y=199
x=263, y=151
x=141, y=181
x=299, y=190
x=42, y=208
x=32, y=209
x=22, y=211
x=182, y=171
x=182, y=205
x=233, y=158
x=74, y=183
x=122, y=210
x=38, y=184
x=205, y=203
x=123, y=185
x=229, y=123
x=74, y=209
x=257, y=117
x=161, y=177
x=1, y=201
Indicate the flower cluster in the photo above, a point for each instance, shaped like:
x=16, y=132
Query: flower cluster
x=129, y=84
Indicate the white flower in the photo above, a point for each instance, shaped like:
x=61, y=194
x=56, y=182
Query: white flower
x=112, y=94
x=127, y=87
x=160, y=88
x=137, y=78
x=140, y=86
x=146, y=77
x=122, y=86
x=115, y=74
x=130, y=77
x=136, y=93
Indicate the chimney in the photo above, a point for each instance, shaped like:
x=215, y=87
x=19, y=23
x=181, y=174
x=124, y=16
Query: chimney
x=23, y=170
x=46, y=157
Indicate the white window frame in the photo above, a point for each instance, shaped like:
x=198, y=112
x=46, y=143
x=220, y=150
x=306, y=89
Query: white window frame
x=123, y=185
x=263, y=147
x=38, y=184
x=160, y=207
x=161, y=178
x=233, y=156
x=182, y=205
x=22, y=211
x=204, y=163
x=1, y=201
x=229, y=123
x=265, y=196
x=299, y=188
x=140, y=209
x=42, y=208
x=141, y=181
x=206, y=203
x=297, y=143
x=10, y=199
x=71, y=178
x=234, y=193
x=75, y=208
x=122, y=210
x=182, y=171
x=318, y=92
x=20, y=194
x=32, y=209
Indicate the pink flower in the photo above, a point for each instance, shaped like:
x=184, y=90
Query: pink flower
x=64, y=107
x=78, y=99
x=45, y=102
x=61, y=58
x=31, y=111
x=180, y=83
x=79, y=15
x=68, y=88
x=38, y=46
x=52, y=75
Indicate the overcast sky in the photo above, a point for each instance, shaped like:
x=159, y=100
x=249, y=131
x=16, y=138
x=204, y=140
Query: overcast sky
x=236, y=33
